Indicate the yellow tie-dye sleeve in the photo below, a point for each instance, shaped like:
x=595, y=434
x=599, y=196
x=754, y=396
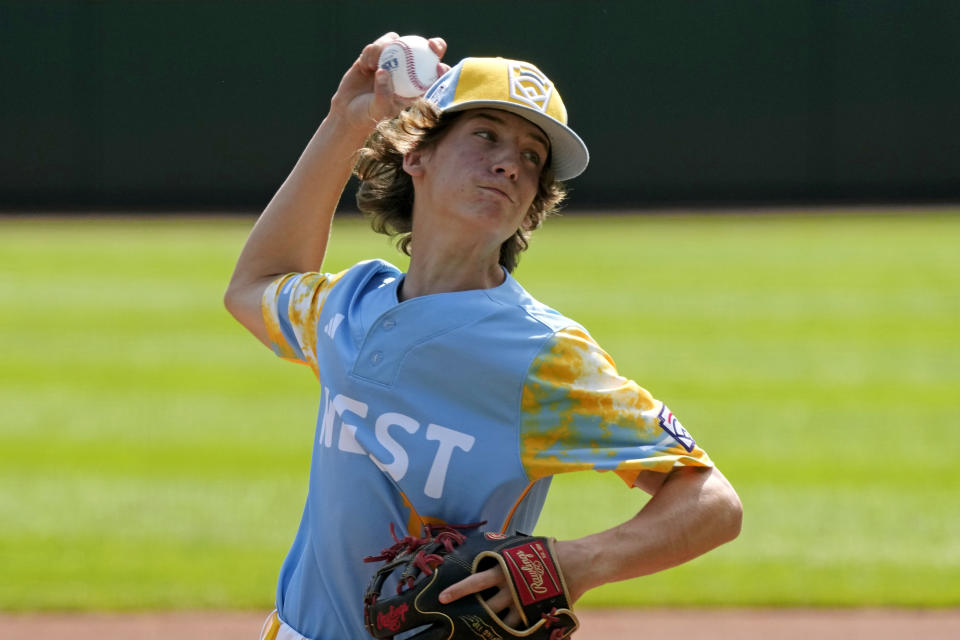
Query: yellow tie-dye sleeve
x=579, y=413
x=291, y=308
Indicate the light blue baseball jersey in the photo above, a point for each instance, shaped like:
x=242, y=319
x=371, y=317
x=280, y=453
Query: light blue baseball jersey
x=454, y=408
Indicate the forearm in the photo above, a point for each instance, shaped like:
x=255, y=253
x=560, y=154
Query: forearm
x=293, y=231
x=694, y=511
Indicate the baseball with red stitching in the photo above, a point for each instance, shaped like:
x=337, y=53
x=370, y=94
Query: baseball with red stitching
x=412, y=65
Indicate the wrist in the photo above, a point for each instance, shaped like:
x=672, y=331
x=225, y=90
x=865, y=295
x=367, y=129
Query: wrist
x=349, y=118
x=577, y=563
x=349, y=128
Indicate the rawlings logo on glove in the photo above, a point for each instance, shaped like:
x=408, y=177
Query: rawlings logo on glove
x=529, y=565
x=424, y=567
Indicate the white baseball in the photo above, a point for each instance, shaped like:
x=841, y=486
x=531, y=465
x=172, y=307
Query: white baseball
x=412, y=65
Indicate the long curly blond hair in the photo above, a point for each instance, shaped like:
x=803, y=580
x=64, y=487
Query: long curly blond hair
x=386, y=190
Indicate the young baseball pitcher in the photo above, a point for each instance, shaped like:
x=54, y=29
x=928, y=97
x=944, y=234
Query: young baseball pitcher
x=448, y=395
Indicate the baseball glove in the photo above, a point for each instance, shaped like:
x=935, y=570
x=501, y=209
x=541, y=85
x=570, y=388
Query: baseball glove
x=424, y=567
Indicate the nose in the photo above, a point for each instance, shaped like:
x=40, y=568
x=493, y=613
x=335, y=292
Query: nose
x=507, y=163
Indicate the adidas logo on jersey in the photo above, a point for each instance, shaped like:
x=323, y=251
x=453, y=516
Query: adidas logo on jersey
x=333, y=325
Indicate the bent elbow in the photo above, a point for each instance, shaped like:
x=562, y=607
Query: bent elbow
x=733, y=515
x=243, y=301
x=230, y=299
x=243, y=306
x=727, y=508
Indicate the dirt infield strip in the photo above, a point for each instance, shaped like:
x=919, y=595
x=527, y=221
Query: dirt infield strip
x=690, y=624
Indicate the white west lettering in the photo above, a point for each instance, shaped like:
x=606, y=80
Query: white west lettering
x=348, y=439
x=326, y=423
x=334, y=414
x=398, y=468
x=340, y=405
x=449, y=440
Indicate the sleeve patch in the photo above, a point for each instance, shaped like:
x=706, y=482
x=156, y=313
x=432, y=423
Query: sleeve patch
x=670, y=424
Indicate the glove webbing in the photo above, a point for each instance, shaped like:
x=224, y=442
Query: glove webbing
x=447, y=535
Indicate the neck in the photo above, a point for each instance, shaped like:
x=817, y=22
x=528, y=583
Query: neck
x=448, y=268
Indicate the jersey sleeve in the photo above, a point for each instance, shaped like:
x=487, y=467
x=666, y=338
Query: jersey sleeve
x=291, y=308
x=578, y=413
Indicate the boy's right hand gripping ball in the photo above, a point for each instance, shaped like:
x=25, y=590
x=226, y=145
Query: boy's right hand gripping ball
x=417, y=570
x=412, y=65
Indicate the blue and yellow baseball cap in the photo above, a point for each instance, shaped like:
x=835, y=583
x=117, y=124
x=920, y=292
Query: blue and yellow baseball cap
x=520, y=88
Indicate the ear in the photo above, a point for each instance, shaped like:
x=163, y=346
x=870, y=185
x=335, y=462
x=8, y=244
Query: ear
x=413, y=162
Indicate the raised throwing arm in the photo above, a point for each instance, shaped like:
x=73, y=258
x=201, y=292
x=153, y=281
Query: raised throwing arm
x=292, y=232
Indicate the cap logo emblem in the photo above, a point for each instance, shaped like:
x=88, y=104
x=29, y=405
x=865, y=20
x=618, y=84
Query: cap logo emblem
x=529, y=86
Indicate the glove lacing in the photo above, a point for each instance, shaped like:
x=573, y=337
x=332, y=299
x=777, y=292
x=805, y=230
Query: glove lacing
x=551, y=619
x=447, y=534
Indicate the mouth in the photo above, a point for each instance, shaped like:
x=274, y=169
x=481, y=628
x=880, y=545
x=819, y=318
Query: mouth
x=497, y=191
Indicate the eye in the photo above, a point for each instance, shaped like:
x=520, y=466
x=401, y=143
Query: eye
x=486, y=134
x=533, y=157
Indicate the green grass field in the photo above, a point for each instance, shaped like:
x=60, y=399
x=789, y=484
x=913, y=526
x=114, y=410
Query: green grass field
x=154, y=456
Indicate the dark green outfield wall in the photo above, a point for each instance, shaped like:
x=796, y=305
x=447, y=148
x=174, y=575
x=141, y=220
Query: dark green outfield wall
x=207, y=104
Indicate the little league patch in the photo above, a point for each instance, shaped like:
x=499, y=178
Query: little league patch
x=670, y=424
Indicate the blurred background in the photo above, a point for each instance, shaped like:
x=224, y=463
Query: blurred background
x=766, y=238
x=114, y=104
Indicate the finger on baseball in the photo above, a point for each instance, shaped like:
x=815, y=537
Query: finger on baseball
x=382, y=104
x=472, y=584
x=370, y=56
x=383, y=84
x=439, y=46
x=386, y=103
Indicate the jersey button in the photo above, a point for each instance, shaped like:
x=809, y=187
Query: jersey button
x=376, y=357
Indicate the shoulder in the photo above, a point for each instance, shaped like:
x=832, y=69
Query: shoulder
x=375, y=270
x=361, y=277
x=300, y=297
x=511, y=294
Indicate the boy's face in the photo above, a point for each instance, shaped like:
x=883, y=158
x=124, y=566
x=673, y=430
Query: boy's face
x=483, y=174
